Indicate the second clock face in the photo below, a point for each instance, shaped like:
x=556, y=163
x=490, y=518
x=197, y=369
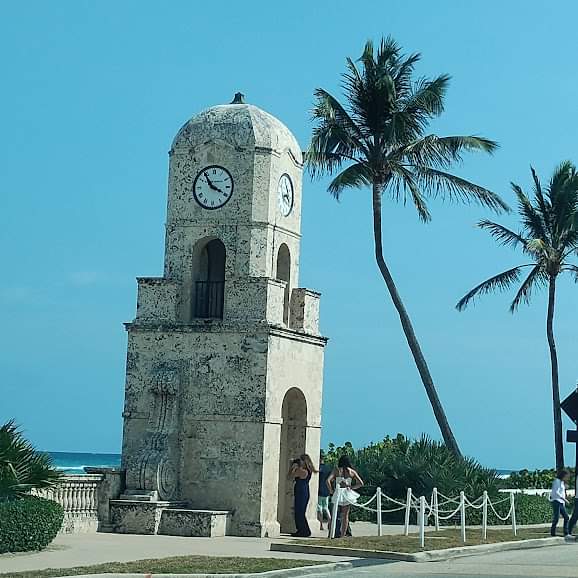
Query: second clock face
x=213, y=187
x=285, y=193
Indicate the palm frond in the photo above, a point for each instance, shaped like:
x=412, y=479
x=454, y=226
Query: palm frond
x=401, y=182
x=524, y=293
x=531, y=218
x=22, y=468
x=502, y=234
x=563, y=202
x=403, y=77
x=442, y=152
x=335, y=139
x=499, y=282
x=543, y=208
x=427, y=96
x=571, y=269
x=356, y=175
x=415, y=109
x=445, y=185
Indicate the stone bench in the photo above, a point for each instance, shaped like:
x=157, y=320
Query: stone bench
x=168, y=518
x=198, y=523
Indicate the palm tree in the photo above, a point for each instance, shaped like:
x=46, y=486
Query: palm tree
x=549, y=237
x=380, y=135
x=22, y=468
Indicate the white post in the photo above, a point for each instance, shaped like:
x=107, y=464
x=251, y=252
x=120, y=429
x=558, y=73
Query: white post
x=334, y=512
x=422, y=521
x=435, y=506
x=463, y=515
x=407, y=512
x=513, y=512
x=485, y=516
x=379, y=528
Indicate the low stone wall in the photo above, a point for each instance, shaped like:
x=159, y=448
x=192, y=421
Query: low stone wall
x=85, y=499
x=78, y=495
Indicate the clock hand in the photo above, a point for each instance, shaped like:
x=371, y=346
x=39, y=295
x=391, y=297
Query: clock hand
x=210, y=183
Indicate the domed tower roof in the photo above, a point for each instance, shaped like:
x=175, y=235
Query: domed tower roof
x=241, y=125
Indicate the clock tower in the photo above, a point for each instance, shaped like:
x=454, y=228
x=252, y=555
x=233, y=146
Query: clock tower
x=225, y=360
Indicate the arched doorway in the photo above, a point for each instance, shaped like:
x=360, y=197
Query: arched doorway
x=284, y=274
x=208, y=288
x=293, y=438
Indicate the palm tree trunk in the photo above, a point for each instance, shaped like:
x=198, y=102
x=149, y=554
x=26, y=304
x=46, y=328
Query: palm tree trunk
x=418, y=357
x=558, y=442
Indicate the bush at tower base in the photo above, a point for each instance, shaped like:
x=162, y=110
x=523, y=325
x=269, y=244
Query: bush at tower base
x=28, y=523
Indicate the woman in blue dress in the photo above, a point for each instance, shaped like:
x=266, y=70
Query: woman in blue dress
x=301, y=471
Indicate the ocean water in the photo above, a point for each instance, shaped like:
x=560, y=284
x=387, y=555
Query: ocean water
x=75, y=462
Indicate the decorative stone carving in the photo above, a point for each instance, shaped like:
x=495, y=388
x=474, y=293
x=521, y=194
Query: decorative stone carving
x=153, y=467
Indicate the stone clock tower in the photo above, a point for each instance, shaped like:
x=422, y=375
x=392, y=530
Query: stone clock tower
x=225, y=361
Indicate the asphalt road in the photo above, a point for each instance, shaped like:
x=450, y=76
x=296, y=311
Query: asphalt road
x=550, y=562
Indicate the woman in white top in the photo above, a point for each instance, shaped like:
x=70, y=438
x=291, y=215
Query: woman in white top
x=347, y=480
x=559, y=501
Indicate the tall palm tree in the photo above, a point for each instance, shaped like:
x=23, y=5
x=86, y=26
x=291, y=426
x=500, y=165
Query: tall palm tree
x=379, y=134
x=549, y=237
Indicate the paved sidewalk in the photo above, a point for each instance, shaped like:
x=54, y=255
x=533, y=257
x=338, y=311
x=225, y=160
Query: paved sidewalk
x=85, y=549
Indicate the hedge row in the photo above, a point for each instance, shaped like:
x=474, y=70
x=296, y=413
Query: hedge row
x=28, y=523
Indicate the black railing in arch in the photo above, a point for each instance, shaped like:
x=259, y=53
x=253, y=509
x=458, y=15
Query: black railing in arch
x=209, y=298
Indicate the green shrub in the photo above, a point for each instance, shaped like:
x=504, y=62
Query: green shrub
x=28, y=523
x=529, y=510
x=22, y=467
x=535, y=479
x=396, y=464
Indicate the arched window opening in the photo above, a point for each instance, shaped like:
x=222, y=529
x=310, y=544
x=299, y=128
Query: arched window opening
x=209, y=275
x=284, y=274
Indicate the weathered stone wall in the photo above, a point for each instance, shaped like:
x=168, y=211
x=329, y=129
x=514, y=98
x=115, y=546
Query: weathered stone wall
x=217, y=450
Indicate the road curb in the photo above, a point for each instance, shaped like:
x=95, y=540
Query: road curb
x=285, y=573
x=428, y=556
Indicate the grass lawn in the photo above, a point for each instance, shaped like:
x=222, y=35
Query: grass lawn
x=175, y=565
x=433, y=540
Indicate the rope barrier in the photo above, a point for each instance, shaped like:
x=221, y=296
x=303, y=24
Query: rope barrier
x=433, y=508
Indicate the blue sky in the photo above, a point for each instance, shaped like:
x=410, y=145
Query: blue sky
x=92, y=94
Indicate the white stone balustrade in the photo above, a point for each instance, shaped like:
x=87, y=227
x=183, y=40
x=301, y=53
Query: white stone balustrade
x=78, y=495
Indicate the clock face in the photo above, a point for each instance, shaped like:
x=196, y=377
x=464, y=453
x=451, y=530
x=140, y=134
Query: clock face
x=213, y=187
x=285, y=192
